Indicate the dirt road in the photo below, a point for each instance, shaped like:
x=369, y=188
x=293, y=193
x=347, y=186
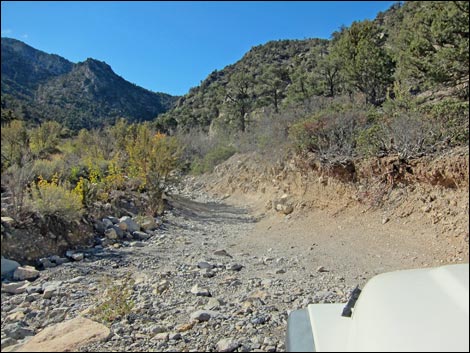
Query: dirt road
x=217, y=276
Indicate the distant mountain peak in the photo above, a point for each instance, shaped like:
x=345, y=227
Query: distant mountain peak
x=94, y=63
x=37, y=85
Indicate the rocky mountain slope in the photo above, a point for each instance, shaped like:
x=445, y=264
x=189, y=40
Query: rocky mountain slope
x=40, y=86
x=25, y=68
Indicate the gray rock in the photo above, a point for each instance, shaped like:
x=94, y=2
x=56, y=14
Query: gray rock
x=202, y=292
x=8, y=267
x=46, y=263
x=227, y=345
x=148, y=223
x=59, y=260
x=26, y=272
x=140, y=235
x=234, y=267
x=174, y=336
x=113, y=219
x=32, y=297
x=17, y=331
x=111, y=233
x=77, y=256
x=51, y=289
x=201, y=315
x=213, y=304
x=127, y=223
x=16, y=287
x=163, y=336
x=107, y=223
x=222, y=252
x=154, y=329
x=204, y=264
x=8, y=341
x=258, y=320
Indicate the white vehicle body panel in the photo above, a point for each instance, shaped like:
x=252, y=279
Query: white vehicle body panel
x=330, y=329
x=410, y=310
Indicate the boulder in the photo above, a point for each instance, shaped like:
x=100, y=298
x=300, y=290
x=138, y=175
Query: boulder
x=284, y=204
x=9, y=267
x=26, y=272
x=77, y=256
x=67, y=336
x=126, y=223
x=50, y=289
x=148, y=223
x=15, y=287
x=110, y=233
x=140, y=235
x=107, y=223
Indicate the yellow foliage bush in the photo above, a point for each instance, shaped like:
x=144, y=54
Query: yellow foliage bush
x=51, y=198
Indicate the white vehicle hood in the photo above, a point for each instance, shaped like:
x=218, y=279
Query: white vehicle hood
x=411, y=310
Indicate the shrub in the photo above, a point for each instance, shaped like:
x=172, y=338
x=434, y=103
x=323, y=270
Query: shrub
x=370, y=141
x=214, y=157
x=154, y=159
x=330, y=134
x=45, y=137
x=451, y=119
x=52, y=199
x=16, y=179
x=47, y=168
x=116, y=300
x=15, y=148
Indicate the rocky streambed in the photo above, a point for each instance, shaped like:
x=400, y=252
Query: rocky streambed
x=194, y=285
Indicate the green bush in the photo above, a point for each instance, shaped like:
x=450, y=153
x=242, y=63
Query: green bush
x=370, y=140
x=330, y=134
x=302, y=135
x=211, y=159
x=52, y=199
x=116, y=301
x=452, y=120
x=47, y=168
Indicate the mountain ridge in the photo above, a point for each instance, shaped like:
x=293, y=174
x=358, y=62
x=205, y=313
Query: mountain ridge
x=38, y=86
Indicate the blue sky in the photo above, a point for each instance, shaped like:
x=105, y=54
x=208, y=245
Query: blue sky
x=168, y=46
